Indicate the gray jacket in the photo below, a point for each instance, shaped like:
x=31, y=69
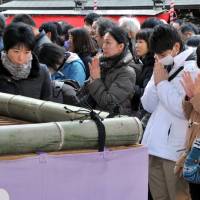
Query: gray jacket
x=115, y=88
x=40, y=40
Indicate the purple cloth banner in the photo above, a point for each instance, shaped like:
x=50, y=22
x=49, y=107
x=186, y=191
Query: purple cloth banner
x=111, y=175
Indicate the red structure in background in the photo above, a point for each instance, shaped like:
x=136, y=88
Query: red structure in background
x=78, y=21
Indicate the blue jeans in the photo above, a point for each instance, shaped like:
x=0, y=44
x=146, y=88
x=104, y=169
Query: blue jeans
x=191, y=170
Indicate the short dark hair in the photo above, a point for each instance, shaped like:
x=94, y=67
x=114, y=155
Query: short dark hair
x=103, y=24
x=193, y=41
x=188, y=26
x=50, y=27
x=51, y=55
x=151, y=22
x=65, y=28
x=178, y=21
x=18, y=34
x=164, y=38
x=25, y=18
x=90, y=18
x=58, y=27
x=82, y=41
x=144, y=34
x=118, y=34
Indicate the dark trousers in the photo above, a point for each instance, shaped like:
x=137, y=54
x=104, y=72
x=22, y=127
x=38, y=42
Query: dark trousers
x=149, y=195
x=195, y=191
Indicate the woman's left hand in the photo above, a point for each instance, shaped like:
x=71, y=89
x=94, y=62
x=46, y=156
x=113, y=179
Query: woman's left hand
x=95, y=68
x=188, y=84
x=192, y=88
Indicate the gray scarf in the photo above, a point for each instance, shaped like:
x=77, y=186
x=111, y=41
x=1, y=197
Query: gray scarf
x=17, y=71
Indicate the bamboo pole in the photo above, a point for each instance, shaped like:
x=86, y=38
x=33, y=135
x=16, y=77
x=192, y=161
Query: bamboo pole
x=34, y=110
x=57, y=136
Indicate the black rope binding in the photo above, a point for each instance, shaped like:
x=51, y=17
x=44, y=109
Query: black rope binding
x=101, y=130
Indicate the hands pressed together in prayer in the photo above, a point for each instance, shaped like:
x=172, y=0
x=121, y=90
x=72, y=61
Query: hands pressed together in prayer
x=95, y=68
x=160, y=73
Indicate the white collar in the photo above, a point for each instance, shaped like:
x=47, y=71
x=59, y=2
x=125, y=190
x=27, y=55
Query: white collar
x=179, y=60
x=181, y=57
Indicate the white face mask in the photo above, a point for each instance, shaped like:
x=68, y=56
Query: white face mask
x=167, y=60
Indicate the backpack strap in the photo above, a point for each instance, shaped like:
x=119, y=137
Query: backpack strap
x=175, y=73
x=190, y=57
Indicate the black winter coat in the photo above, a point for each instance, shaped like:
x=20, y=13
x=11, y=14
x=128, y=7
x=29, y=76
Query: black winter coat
x=142, y=80
x=37, y=85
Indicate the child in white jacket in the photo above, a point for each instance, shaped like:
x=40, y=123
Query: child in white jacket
x=166, y=130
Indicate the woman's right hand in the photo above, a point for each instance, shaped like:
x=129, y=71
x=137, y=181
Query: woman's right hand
x=188, y=84
x=95, y=68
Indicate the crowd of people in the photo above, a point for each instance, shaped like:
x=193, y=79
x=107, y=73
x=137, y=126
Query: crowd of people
x=148, y=70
